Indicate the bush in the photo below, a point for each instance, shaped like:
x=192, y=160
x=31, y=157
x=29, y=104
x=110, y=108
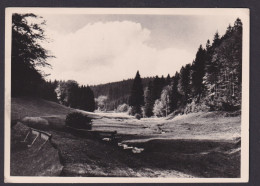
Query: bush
x=130, y=111
x=78, y=120
x=122, y=108
x=138, y=116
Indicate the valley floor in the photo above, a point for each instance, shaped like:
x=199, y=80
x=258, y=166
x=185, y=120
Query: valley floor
x=193, y=145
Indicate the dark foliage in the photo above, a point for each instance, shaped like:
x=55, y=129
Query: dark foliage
x=214, y=78
x=198, y=72
x=78, y=120
x=138, y=116
x=158, y=84
x=184, y=86
x=27, y=55
x=136, y=99
x=48, y=90
x=149, y=102
x=175, y=96
x=117, y=92
x=69, y=93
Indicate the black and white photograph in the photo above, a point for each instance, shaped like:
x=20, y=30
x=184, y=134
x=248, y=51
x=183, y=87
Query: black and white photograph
x=99, y=95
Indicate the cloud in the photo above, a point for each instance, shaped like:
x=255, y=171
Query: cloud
x=111, y=51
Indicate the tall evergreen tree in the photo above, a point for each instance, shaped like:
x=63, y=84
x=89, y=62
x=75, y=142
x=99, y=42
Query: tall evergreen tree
x=207, y=45
x=223, y=73
x=149, y=102
x=137, y=94
x=158, y=84
x=198, y=72
x=175, y=95
x=184, y=84
x=216, y=40
x=168, y=80
x=162, y=82
x=156, y=88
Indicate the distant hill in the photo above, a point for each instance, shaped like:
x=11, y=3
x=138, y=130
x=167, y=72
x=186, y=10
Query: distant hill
x=117, y=92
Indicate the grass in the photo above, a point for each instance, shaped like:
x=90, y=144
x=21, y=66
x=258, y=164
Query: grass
x=34, y=161
x=22, y=107
x=193, y=145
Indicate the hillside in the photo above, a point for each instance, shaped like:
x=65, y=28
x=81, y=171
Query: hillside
x=21, y=107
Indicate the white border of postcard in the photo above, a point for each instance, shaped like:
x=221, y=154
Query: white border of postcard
x=242, y=13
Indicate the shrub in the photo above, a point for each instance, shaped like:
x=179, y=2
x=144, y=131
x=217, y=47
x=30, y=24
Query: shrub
x=78, y=120
x=130, y=111
x=122, y=108
x=138, y=116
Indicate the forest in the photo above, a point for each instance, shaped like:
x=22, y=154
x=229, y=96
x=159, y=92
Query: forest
x=212, y=81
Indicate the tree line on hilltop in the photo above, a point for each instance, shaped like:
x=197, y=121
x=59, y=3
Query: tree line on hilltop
x=115, y=93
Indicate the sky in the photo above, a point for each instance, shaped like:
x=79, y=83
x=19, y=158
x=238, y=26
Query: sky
x=96, y=49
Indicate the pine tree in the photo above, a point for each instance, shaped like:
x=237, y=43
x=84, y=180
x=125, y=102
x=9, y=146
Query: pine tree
x=175, y=96
x=156, y=88
x=149, y=102
x=208, y=45
x=238, y=26
x=228, y=32
x=184, y=84
x=198, y=72
x=223, y=71
x=216, y=40
x=168, y=80
x=162, y=82
x=137, y=94
x=158, y=84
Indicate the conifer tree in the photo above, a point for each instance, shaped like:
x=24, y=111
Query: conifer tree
x=149, y=102
x=223, y=72
x=208, y=45
x=184, y=84
x=137, y=95
x=158, y=84
x=156, y=88
x=175, y=95
x=216, y=40
x=198, y=72
x=168, y=80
